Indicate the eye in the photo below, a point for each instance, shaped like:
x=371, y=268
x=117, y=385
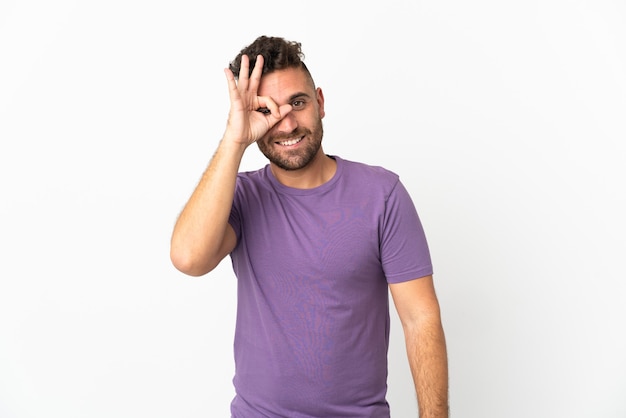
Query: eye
x=297, y=104
x=264, y=110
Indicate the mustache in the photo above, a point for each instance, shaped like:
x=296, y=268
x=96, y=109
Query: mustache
x=296, y=133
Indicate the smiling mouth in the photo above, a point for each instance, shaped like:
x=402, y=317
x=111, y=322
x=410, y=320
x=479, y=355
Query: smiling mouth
x=290, y=142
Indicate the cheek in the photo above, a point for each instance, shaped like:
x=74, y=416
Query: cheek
x=263, y=142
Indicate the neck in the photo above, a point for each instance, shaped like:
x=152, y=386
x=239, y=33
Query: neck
x=320, y=170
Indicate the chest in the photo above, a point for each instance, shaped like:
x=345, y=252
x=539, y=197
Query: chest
x=332, y=238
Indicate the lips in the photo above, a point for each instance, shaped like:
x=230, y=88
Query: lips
x=290, y=142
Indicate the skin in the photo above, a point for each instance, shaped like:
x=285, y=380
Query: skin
x=274, y=111
x=289, y=102
x=419, y=313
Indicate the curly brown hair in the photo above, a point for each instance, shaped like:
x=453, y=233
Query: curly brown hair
x=278, y=54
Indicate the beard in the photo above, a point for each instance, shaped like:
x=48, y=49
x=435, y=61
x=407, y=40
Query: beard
x=293, y=159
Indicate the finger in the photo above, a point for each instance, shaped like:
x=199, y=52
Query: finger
x=266, y=102
x=284, y=110
x=233, y=93
x=257, y=71
x=280, y=114
x=244, y=69
x=276, y=113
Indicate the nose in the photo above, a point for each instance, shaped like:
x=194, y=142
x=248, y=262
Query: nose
x=287, y=124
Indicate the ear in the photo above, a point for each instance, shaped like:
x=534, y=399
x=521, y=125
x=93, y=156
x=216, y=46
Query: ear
x=319, y=95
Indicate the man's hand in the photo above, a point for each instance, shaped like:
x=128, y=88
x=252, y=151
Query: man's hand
x=251, y=116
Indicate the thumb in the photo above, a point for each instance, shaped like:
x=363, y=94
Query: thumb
x=283, y=111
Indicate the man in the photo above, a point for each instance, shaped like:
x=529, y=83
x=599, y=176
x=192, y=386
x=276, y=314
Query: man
x=316, y=242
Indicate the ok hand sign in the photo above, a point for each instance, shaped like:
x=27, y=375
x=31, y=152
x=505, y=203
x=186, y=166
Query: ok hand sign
x=246, y=123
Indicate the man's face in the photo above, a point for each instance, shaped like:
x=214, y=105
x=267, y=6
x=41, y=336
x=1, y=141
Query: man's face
x=294, y=141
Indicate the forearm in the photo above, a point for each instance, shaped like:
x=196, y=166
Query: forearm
x=427, y=354
x=198, y=236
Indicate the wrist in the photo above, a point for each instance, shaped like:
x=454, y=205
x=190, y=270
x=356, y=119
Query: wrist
x=233, y=145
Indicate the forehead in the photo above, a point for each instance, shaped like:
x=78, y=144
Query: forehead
x=280, y=85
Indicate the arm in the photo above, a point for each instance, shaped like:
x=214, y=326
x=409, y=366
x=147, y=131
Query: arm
x=202, y=236
x=418, y=309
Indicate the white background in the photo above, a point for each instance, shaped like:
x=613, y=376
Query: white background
x=505, y=120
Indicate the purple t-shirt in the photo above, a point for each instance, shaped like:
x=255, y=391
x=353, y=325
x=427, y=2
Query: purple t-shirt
x=313, y=267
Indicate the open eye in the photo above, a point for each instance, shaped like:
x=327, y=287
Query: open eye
x=264, y=110
x=297, y=104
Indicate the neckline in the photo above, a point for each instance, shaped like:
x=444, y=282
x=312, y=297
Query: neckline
x=281, y=188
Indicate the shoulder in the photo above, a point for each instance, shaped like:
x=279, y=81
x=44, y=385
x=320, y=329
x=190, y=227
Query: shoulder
x=256, y=178
x=252, y=185
x=251, y=176
x=369, y=176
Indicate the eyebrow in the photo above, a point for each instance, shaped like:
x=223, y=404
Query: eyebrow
x=298, y=95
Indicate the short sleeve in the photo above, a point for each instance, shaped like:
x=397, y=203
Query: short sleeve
x=234, y=218
x=404, y=250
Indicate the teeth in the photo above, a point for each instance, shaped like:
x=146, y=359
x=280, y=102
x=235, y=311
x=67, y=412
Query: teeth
x=290, y=142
